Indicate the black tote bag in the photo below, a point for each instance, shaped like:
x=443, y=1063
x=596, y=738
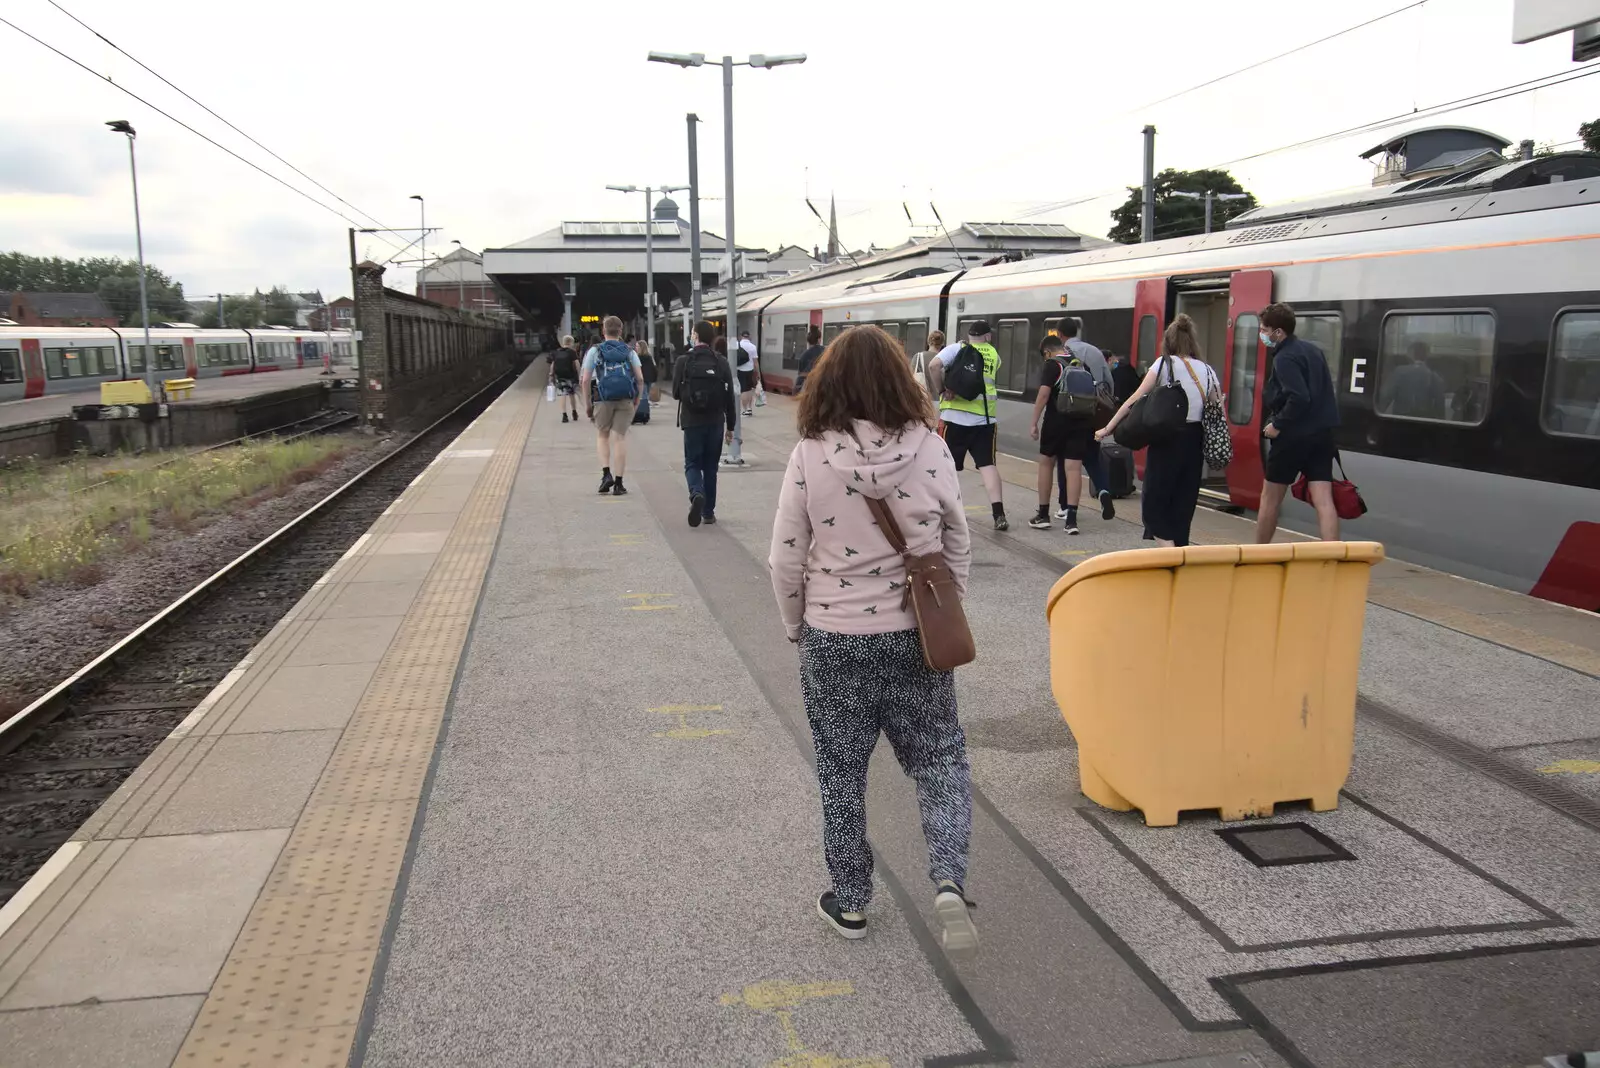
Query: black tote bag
x=1157, y=416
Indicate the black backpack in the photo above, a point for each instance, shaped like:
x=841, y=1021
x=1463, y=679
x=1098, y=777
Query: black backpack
x=965, y=377
x=702, y=387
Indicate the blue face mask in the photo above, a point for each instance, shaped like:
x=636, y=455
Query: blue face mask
x=1266, y=339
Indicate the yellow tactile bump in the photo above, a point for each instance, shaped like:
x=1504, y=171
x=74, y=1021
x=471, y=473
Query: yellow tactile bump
x=322, y=1047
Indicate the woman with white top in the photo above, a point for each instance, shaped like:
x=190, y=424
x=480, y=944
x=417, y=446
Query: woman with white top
x=1173, y=468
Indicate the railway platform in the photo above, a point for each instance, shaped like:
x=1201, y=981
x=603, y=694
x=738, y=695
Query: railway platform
x=229, y=387
x=524, y=780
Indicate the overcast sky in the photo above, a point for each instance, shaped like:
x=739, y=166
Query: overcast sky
x=511, y=117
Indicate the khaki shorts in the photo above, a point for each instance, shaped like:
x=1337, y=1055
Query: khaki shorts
x=614, y=417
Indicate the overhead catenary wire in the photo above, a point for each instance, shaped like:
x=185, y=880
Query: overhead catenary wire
x=168, y=115
x=188, y=96
x=1487, y=96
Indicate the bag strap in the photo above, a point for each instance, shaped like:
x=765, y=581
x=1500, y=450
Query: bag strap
x=1205, y=394
x=888, y=524
x=1336, y=459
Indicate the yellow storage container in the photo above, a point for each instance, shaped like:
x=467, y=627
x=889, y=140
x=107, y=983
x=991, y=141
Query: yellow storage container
x=133, y=391
x=1212, y=676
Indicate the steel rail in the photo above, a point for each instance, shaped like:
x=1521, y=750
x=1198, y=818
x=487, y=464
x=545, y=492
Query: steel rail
x=38, y=713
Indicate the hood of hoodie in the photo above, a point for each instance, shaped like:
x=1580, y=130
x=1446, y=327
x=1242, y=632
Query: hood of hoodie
x=872, y=460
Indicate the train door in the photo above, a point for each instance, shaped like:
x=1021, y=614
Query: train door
x=32, y=368
x=1149, y=319
x=191, y=366
x=1248, y=293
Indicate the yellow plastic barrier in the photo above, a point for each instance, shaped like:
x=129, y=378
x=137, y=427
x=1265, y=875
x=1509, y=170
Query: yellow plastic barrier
x=178, y=388
x=1212, y=676
x=133, y=391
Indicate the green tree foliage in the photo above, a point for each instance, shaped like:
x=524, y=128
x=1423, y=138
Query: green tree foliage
x=1589, y=133
x=1180, y=216
x=278, y=307
x=115, y=280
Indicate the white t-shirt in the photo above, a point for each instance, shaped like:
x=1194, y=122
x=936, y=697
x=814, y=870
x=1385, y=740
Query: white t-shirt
x=1202, y=371
x=947, y=356
x=748, y=347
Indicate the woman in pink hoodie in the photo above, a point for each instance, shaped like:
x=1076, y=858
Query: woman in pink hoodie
x=866, y=431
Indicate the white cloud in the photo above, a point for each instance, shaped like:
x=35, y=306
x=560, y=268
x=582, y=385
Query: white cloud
x=511, y=117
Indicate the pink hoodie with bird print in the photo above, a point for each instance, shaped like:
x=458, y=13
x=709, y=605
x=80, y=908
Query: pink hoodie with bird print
x=831, y=565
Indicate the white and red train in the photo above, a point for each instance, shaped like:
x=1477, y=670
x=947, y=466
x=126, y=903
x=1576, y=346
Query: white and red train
x=40, y=360
x=1461, y=320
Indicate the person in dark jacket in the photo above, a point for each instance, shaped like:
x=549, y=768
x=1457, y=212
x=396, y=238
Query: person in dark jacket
x=1124, y=379
x=808, y=358
x=1299, y=414
x=703, y=385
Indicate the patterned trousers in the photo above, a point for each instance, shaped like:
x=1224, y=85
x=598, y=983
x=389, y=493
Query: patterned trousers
x=856, y=685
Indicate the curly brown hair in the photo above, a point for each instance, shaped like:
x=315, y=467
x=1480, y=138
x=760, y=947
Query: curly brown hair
x=863, y=374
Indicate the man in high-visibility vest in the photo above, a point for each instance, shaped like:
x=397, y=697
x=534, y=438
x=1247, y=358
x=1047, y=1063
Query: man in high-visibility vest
x=969, y=426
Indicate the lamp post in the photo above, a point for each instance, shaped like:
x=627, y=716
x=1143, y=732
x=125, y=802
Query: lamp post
x=422, y=284
x=461, y=279
x=760, y=62
x=649, y=248
x=1208, y=196
x=122, y=126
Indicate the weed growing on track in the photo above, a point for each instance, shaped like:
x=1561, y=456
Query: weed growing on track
x=58, y=521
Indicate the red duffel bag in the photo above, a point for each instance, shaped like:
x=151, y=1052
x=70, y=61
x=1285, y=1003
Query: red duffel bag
x=1347, y=500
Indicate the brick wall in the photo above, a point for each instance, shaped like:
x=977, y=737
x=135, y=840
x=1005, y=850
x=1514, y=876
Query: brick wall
x=419, y=359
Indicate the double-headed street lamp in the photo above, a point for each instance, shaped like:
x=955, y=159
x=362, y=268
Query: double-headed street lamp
x=649, y=248
x=461, y=279
x=760, y=62
x=1208, y=196
x=122, y=126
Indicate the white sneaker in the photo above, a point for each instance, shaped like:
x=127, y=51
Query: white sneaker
x=1061, y=513
x=959, y=934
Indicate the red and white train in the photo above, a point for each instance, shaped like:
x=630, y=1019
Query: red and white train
x=40, y=360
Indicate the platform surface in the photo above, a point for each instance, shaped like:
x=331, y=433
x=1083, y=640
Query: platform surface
x=526, y=780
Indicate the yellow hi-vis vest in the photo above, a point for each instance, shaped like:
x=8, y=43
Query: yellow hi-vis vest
x=984, y=404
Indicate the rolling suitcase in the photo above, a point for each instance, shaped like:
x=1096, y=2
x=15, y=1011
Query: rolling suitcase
x=1119, y=467
x=641, y=414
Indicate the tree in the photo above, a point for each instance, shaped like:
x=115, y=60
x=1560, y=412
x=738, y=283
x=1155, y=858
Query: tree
x=1589, y=134
x=116, y=281
x=279, y=307
x=1180, y=216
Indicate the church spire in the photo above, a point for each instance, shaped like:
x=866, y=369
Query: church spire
x=833, y=229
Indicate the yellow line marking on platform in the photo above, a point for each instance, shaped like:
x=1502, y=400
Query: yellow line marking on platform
x=683, y=731
x=1075, y=552
x=643, y=602
x=627, y=539
x=1572, y=767
x=780, y=1000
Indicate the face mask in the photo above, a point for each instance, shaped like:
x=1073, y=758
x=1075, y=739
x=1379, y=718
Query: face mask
x=1266, y=339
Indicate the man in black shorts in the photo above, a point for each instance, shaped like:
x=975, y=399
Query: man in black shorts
x=1299, y=413
x=1061, y=438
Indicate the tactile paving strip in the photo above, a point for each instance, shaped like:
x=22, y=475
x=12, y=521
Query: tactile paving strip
x=292, y=988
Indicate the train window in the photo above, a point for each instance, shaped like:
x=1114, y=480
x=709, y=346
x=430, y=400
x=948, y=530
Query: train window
x=1011, y=342
x=892, y=329
x=794, y=343
x=831, y=331
x=1572, y=383
x=1436, y=366
x=1246, y=364
x=1148, y=332
x=1326, y=332
x=10, y=365
x=915, y=338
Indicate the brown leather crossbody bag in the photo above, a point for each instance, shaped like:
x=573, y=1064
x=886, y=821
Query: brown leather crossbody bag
x=931, y=593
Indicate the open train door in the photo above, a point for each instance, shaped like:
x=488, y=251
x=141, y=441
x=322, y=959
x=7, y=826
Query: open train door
x=1149, y=320
x=1244, y=379
x=32, y=368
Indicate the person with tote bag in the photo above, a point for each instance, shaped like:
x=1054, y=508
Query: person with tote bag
x=870, y=555
x=1175, y=463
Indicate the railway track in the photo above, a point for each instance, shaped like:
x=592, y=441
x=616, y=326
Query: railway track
x=64, y=754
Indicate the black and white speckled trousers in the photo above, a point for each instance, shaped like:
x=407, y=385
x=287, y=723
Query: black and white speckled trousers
x=856, y=685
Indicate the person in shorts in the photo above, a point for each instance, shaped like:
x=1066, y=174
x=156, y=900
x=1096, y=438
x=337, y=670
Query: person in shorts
x=1063, y=440
x=564, y=376
x=611, y=417
x=970, y=426
x=1299, y=414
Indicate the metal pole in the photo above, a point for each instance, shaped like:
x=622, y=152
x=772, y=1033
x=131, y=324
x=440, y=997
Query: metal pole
x=422, y=283
x=144, y=299
x=1208, y=211
x=1147, y=225
x=731, y=331
x=649, y=272
x=694, y=230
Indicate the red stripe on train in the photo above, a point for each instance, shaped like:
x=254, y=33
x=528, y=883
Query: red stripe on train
x=1573, y=574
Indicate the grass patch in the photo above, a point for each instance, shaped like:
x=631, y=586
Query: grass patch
x=59, y=522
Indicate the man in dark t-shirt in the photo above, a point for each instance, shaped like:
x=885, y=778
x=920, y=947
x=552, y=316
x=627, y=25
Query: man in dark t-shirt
x=564, y=376
x=808, y=358
x=1063, y=438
